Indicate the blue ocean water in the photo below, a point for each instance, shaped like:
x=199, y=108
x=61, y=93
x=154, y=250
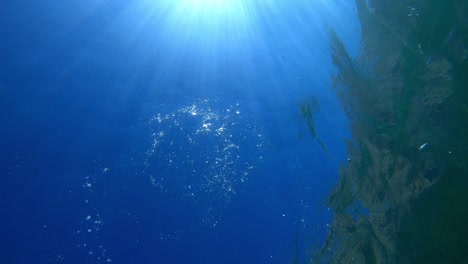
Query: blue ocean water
x=166, y=131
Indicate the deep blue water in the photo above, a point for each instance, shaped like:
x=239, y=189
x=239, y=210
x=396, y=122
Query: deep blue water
x=81, y=87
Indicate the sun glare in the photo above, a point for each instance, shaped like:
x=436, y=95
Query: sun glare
x=207, y=17
x=205, y=3
x=209, y=7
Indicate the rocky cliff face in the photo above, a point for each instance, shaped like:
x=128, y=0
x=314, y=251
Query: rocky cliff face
x=407, y=100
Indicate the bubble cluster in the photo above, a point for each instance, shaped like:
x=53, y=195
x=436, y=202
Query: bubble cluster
x=203, y=153
x=91, y=223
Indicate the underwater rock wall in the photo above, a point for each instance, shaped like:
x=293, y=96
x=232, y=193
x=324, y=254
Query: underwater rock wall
x=406, y=97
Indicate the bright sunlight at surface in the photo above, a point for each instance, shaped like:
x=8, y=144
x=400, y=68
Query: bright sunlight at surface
x=205, y=4
x=207, y=26
x=221, y=19
x=195, y=12
x=211, y=33
x=209, y=9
